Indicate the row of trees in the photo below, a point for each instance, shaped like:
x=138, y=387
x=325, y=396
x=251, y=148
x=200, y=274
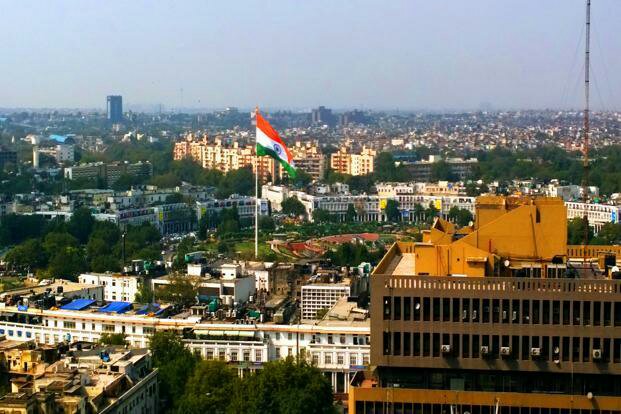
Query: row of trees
x=62, y=249
x=190, y=385
x=577, y=229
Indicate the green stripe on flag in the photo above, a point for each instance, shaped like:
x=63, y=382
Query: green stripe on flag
x=263, y=151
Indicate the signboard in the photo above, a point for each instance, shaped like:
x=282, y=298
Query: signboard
x=613, y=216
x=437, y=203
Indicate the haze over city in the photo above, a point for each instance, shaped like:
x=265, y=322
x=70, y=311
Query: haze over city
x=409, y=55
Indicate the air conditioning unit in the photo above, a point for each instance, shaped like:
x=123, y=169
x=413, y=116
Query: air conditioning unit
x=505, y=350
x=597, y=354
x=485, y=350
x=536, y=352
x=446, y=349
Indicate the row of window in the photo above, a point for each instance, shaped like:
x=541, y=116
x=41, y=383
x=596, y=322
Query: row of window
x=234, y=355
x=340, y=359
x=386, y=407
x=508, y=311
x=146, y=330
x=18, y=333
x=551, y=348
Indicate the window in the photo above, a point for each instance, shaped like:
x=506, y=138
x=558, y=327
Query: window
x=148, y=330
x=234, y=356
x=315, y=358
x=327, y=359
x=209, y=354
x=387, y=306
x=397, y=308
x=107, y=328
x=407, y=308
x=330, y=339
x=246, y=356
x=386, y=343
x=340, y=358
x=69, y=325
x=407, y=344
x=342, y=339
x=258, y=355
x=353, y=359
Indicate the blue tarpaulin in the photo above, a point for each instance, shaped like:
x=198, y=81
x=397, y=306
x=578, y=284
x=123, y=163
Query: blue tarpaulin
x=151, y=308
x=78, y=304
x=116, y=307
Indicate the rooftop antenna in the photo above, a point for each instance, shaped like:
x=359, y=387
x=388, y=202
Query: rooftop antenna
x=585, y=144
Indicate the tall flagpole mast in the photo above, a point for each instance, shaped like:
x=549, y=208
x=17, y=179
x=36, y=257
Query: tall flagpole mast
x=585, y=144
x=256, y=192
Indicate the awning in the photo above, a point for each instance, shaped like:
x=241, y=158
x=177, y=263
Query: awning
x=116, y=307
x=78, y=304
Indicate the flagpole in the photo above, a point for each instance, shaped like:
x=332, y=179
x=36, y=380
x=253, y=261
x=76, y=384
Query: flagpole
x=256, y=193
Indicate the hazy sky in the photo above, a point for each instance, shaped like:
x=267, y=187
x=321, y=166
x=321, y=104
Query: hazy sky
x=411, y=54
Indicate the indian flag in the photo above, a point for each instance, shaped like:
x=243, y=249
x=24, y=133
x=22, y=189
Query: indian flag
x=270, y=143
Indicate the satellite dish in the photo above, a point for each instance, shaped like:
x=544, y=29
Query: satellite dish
x=507, y=263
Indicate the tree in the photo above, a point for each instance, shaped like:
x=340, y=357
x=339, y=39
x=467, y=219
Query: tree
x=392, y=210
x=67, y=264
x=174, y=198
x=29, y=254
x=175, y=363
x=321, y=215
x=145, y=293
x=431, y=213
x=576, y=229
x=209, y=388
x=266, y=223
x=351, y=214
x=610, y=233
x=284, y=387
x=229, y=221
x=460, y=216
x=113, y=339
x=181, y=290
x=57, y=241
x=16, y=228
x=385, y=168
x=442, y=171
x=105, y=263
x=184, y=247
x=81, y=224
x=291, y=206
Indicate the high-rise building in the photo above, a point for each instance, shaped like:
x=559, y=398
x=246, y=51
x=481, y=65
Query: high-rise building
x=345, y=162
x=323, y=116
x=493, y=319
x=308, y=157
x=114, y=108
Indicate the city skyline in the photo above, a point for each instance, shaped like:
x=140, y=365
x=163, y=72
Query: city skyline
x=401, y=55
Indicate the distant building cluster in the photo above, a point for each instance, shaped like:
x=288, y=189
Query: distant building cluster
x=216, y=154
